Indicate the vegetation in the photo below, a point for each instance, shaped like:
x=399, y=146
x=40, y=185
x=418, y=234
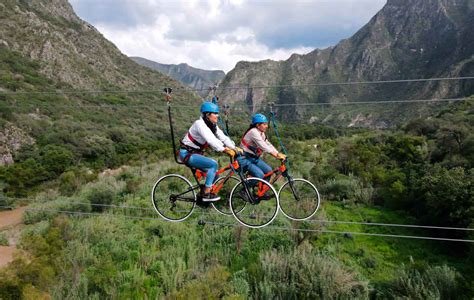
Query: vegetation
x=420, y=173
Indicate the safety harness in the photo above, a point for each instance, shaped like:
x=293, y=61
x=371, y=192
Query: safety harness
x=192, y=150
x=257, y=150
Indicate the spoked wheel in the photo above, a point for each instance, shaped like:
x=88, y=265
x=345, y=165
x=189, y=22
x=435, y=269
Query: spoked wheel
x=223, y=205
x=299, y=199
x=250, y=210
x=173, y=197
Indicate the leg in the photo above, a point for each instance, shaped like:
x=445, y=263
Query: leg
x=244, y=163
x=205, y=164
x=264, y=167
x=255, y=171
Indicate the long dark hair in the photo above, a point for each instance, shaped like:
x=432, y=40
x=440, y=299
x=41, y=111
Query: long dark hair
x=252, y=126
x=212, y=126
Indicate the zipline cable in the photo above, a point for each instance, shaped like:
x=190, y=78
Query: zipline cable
x=266, y=105
x=270, y=227
x=184, y=89
x=203, y=222
x=309, y=221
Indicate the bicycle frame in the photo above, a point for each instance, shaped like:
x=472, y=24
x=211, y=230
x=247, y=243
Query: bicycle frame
x=233, y=166
x=279, y=172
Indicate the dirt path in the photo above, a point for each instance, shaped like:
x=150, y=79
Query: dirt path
x=6, y=255
x=9, y=218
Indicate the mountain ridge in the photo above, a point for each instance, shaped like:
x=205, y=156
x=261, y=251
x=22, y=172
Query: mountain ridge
x=195, y=78
x=404, y=40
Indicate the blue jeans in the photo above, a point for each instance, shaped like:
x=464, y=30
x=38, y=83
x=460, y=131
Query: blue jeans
x=255, y=166
x=202, y=163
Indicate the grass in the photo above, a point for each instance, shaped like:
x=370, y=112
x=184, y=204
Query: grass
x=378, y=258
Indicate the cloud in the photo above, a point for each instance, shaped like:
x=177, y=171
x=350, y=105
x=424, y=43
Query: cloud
x=216, y=34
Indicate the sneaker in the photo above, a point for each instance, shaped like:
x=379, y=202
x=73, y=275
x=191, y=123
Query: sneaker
x=209, y=197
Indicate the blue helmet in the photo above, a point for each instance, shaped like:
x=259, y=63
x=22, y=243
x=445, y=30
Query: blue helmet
x=259, y=118
x=209, y=107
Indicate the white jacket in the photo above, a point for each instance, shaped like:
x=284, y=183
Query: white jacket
x=203, y=134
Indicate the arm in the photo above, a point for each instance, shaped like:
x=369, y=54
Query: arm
x=225, y=139
x=263, y=144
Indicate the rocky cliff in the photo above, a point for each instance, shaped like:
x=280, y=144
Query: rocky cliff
x=406, y=39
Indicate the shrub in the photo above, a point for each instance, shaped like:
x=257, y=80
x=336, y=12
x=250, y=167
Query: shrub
x=304, y=274
x=56, y=159
x=447, y=195
x=347, y=188
x=3, y=239
x=48, y=210
x=103, y=192
x=438, y=282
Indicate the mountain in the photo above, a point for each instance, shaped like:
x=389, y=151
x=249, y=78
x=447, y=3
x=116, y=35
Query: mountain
x=55, y=74
x=193, y=77
x=71, y=50
x=406, y=39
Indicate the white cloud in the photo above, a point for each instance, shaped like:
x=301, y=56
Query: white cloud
x=216, y=34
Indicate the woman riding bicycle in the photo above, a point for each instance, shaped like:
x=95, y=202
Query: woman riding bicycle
x=254, y=143
x=204, y=133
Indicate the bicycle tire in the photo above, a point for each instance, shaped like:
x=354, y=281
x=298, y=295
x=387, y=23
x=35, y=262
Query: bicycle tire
x=243, y=216
x=309, y=191
x=165, y=185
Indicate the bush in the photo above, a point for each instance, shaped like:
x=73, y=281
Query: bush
x=304, y=274
x=102, y=193
x=439, y=282
x=447, y=196
x=47, y=211
x=56, y=159
x=347, y=188
x=3, y=239
x=213, y=285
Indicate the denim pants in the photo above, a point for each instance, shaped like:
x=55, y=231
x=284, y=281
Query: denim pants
x=255, y=166
x=202, y=163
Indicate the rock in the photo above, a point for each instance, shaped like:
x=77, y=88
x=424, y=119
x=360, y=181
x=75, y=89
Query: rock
x=12, y=139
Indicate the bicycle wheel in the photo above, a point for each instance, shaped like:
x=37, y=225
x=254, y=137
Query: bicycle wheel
x=252, y=211
x=223, y=205
x=173, y=197
x=299, y=199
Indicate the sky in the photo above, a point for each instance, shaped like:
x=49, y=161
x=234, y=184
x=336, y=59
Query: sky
x=216, y=34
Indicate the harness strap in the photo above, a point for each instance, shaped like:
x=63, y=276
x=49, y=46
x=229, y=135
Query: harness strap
x=190, y=150
x=254, y=149
x=193, y=140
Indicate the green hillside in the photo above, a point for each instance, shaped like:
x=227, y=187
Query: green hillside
x=84, y=136
x=389, y=177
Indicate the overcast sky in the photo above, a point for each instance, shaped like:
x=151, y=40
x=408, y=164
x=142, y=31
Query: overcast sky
x=216, y=34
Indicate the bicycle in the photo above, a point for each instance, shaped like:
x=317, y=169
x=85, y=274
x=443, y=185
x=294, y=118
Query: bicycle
x=298, y=198
x=174, y=197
